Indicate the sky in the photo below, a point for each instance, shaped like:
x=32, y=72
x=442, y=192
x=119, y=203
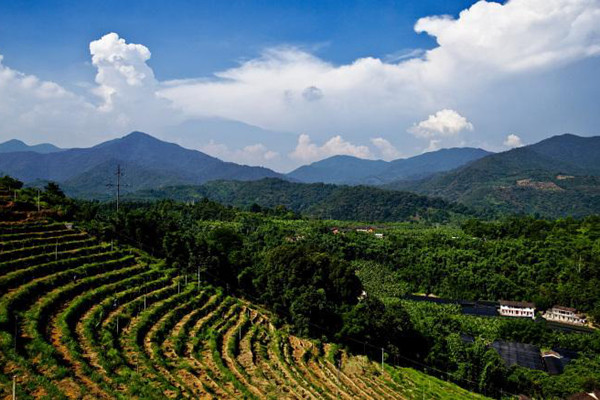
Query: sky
x=282, y=84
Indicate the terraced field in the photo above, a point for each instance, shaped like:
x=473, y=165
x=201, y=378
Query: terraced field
x=81, y=319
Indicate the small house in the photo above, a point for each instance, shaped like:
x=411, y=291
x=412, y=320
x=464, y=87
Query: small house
x=517, y=309
x=565, y=315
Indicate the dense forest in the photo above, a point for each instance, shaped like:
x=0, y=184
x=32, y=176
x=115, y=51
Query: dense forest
x=349, y=287
x=362, y=203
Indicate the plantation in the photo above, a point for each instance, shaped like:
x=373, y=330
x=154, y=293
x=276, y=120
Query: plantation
x=82, y=318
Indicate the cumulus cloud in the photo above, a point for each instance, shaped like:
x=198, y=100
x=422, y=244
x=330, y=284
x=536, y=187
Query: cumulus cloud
x=515, y=36
x=387, y=150
x=121, y=68
x=307, y=151
x=255, y=154
x=290, y=90
x=485, y=43
x=513, y=141
x=443, y=123
x=127, y=85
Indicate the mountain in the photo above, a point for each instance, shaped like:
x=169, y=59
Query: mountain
x=556, y=177
x=353, y=170
x=339, y=169
x=360, y=203
x=146, y=162
x=15, y=145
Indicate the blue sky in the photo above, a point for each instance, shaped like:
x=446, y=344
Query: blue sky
x=282, y=83
x=191, y=38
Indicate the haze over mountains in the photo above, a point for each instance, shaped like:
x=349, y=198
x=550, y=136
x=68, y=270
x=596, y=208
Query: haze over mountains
x=147, y=162
x=558, y=176
x=152, y=163
x=15, y=145
x=353, y=170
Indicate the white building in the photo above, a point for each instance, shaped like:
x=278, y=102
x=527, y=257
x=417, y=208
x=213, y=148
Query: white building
x=565, y=315
x=517, y=309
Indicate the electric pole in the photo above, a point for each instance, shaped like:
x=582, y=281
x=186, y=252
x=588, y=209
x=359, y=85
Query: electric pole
x=382, y=354
x=118, y=185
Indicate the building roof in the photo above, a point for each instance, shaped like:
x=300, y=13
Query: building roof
x=585, y=396
x=522, y=304
x=562, y=308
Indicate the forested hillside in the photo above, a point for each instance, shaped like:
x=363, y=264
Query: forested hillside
x=305, y=271
x=557, y=177
x=362, y=203
x=87, y=318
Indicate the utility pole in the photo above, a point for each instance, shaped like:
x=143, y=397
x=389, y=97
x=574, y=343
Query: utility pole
x=382, y=354
x=38, y=200
x=14, y=394
x=118, y=185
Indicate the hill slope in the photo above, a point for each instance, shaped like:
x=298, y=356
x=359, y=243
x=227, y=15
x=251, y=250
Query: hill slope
x=160, y=163
x=84, y=319
x=353, y=170
x=363, y=203
x=15, y=145
x=556, y=177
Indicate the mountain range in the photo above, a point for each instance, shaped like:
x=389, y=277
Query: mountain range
x=556, y=177
x=147, y=162
x=352, y=170
x=15, y=145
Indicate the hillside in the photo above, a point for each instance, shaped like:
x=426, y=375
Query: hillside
x=80, y=318
x=555, y=177
x=15, y=145
x=159, y=163
x=353, y=170
x=363, y=203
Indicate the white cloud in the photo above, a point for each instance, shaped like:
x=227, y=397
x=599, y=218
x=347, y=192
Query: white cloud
x=121, y=68
x=127, y=84
x=387, y=150
x=255, y=154
x=516, y=36
x=434, y=144
x=486, y=43
x=443, y=123
x=512, y=141
x=307, y=151
x=31, y=108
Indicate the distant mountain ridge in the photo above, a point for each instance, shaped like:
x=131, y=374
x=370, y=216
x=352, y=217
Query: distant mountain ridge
x=15, y=145
x=147, y=162
x=353, y=170
x=556, y=177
